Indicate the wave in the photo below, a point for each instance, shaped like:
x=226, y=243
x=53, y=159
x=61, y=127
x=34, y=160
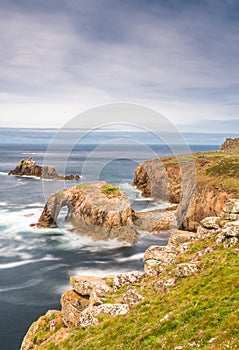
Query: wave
x=156, y=206
x=25, y=262
x=33, y=153
x=138, y=256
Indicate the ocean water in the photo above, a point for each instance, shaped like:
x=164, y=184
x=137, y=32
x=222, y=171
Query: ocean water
x=35, y=265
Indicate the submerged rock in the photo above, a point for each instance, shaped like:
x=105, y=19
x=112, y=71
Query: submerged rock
x=29, y=167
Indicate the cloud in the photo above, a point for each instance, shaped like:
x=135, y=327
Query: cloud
x=70, y=55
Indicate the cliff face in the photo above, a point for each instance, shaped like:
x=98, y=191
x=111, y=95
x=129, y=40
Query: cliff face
x=203, y=189
x=96, y=209
x=29, y=167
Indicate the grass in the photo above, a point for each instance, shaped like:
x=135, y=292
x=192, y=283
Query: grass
x=203, y=309
x=219, y=170
x=109, y=189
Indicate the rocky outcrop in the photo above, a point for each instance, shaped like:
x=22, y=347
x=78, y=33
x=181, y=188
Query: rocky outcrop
x=230, y=144
x=98, y=210
x=79, y=309
x=29, y=167
x=157, y=258
x=89, y=297
x=185, y=183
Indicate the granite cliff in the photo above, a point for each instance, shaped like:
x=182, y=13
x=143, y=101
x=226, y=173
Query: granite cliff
x=29, y=167
x=214, y=178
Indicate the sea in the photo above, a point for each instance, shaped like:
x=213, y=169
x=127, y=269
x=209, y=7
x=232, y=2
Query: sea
x=36, y=264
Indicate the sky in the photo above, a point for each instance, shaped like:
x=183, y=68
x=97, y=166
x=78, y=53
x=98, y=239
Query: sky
x=61, y=57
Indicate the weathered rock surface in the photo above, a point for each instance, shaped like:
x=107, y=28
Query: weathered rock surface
x=29, y=167
x=197, y=199
x=132, y=297
x=122, y=279
x=72, y=306
x=211, y=222
x=230, y=144
x=88, y=315
x=92, y=212
x=163, y=285
x=184, y=270
x=179, y=237
x=231, y=207
x=156, y=221
x=28, y=342
x=90, y=286
x=158, y=258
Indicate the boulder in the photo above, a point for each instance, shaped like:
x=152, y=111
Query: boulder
x=231, y=229
x=132, y=297
x=179, y=237
x=184, y=270
x=87, y=317
x=29, y=167
x=232, y=206
x=158, y=258
x=72, y=306
x=92, y=287
x=203, y=232
x=162, y=285
x=211, y=222
x=85, y=285
x=122, y=279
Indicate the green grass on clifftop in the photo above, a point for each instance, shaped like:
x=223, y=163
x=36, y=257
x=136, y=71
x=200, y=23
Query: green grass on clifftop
x=109, y=189
x=203, y=310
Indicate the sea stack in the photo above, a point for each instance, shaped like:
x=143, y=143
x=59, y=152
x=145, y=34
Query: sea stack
x=29, y=167
x=98, y=209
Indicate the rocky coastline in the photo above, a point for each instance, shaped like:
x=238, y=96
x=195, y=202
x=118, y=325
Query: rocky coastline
x=209, y=227
x=162, y=178
x=29, y=167
x=82, y=305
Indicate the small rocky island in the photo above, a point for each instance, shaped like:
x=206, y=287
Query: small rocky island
x=98, y=209
x=29, y=167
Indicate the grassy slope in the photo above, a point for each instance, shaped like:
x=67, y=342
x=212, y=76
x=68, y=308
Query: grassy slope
x=205, y=311
x=218, y=169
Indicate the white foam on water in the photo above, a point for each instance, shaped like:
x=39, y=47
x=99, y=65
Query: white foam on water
x=35, y=205
x=83, y=271
x=33, y=153
x=135, y=257
x=3, y=173
x=10, y=265
x=30, y=283
x=17, y=221
x=156, y=206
